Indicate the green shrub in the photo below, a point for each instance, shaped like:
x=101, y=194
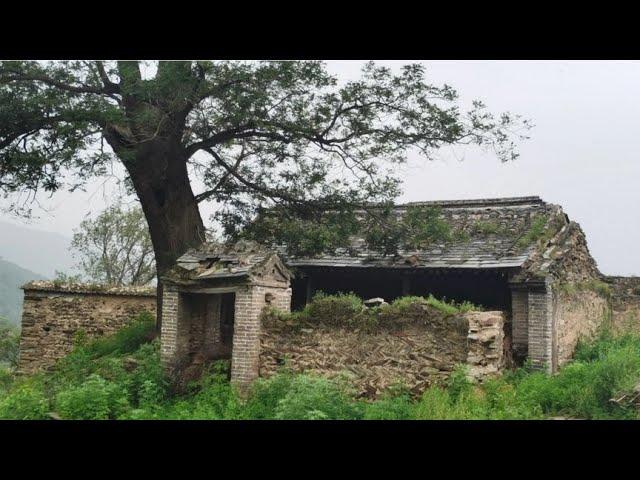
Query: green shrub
x=212, y=398
x=435, y=404
x=148, y=384
x=132, y=385
x=9, y=344
x=7, y=378
x=312, y=397
x=73, y=368
x=25, y=401
x=125, y=340
x=347, y=310
x=448, y=308
x=458, y=383
x=339, y=309
x=583, y=388
x=265, y=395
x=537, y=231
x=94, y=399
x=500, y=401
x=395, y=405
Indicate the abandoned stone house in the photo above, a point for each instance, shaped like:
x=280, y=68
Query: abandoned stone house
x=509, y=254
x=521, y=259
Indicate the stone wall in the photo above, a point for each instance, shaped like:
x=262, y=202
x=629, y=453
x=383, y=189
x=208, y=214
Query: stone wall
x=52, y=314
x=625, y=303
x=577, y=315
x=418, y=355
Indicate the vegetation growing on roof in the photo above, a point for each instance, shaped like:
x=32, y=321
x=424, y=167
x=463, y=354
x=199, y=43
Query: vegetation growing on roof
x=535, y=232
x=594, y=285
x=542, y=229
x=491, y=227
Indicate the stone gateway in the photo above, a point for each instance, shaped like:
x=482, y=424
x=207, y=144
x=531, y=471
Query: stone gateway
x=211, y=307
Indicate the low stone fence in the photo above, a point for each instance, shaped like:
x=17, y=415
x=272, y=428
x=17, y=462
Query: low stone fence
x=53, y=314
x=417, y=355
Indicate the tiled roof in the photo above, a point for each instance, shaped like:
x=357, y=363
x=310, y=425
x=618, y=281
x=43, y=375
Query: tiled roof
x=510, y=218
x=213, y=261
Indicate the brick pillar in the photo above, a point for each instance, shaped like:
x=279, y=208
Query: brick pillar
x=245, y=358
x=540, y=306
x=282, y=299
x=174, y=330
x=520, y=322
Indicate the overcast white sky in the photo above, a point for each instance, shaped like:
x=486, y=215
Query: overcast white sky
x=583, y=152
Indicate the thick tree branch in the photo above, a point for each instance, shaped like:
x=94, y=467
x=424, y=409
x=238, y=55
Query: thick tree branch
x=209, y=193
x=31, y=77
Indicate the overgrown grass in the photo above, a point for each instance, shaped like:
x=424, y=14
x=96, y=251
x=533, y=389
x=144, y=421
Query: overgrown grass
x=594, y=285
x=120, y=383
x=535, y=233
x=347, y=310
x=491, y=227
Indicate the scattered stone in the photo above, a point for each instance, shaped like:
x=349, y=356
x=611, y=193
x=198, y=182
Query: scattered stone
x=374, y=302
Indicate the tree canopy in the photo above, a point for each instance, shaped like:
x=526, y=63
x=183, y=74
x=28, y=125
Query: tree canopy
x=260, y=134
x=115, y=248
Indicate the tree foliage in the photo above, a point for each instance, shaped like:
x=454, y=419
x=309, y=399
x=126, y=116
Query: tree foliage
x=382, y=227
x=115, y=248
x=263, y=134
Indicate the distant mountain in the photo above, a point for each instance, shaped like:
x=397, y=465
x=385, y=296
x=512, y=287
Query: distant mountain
x=12, y=277
x=36, y=250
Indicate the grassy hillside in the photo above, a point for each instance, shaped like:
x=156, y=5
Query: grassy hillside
x=11, y=278
x=120, y=377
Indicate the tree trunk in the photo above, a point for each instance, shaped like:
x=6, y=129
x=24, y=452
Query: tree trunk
x=160, y=178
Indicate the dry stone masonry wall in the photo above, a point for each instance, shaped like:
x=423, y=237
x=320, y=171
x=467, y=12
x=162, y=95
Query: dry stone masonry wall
x=625, y=303
x=577, y=315
x=417, y=355
x=53, y=314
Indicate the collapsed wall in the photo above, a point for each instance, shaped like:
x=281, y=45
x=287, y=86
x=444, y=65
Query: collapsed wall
x=53, y=314
x=420, y=352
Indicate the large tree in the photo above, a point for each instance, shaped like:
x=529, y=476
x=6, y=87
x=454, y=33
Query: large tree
x=274, y=133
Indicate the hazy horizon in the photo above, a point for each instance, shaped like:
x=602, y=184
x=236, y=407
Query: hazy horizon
x=582, y=153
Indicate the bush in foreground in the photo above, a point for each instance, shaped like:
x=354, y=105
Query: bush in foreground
x=116, y=382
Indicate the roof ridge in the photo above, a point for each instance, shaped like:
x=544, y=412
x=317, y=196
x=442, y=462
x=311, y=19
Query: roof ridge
x=477, y=202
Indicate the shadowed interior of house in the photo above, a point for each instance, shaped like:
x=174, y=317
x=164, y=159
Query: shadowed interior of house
x=484, y=287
